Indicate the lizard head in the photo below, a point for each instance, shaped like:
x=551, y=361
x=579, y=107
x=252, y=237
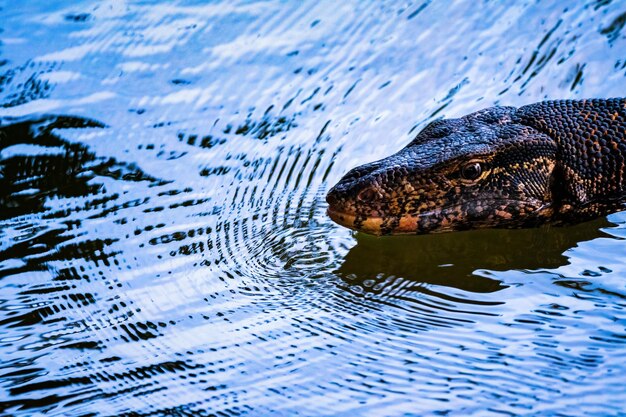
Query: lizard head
x=482, y=170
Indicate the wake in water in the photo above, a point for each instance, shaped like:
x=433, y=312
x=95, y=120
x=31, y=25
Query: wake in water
x=164, y=245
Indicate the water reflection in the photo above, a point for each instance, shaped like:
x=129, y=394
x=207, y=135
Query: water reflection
x=164, y=248
x=452, y=259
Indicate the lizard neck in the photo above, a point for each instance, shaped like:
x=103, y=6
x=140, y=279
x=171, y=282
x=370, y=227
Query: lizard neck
x=590, y=177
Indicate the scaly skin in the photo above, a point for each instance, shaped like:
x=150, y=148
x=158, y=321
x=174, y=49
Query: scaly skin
x=553, y=162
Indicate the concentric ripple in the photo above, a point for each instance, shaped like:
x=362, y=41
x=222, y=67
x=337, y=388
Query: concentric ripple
x=164, y=247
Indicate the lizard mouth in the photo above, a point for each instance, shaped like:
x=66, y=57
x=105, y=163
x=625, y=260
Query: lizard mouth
x=370, y=224
x=374, y=224
x=439, y=220
x=378, y=225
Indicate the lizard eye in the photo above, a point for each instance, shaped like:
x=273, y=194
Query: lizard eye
x=367, y=195
x=471, y=171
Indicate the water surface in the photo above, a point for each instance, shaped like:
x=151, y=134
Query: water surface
x=164, y=248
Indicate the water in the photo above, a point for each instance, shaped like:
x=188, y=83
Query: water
x=164, y=244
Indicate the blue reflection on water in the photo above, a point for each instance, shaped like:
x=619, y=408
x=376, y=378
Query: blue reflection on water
x=164, y=247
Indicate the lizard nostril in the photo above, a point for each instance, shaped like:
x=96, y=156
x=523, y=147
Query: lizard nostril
x=367, y=195
x=331, y=198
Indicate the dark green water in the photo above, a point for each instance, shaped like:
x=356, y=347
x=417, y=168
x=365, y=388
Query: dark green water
x=164, y=248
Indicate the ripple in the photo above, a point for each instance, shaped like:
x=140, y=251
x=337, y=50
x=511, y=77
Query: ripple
x=164, y=244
